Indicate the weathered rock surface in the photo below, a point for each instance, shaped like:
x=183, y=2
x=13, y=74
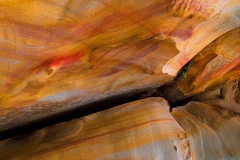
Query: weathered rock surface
x=226, y=97
x=143, y=129
x=123, y=71
x=216, y=65
x=57, y=55
x=211, y=130
x=60, y=56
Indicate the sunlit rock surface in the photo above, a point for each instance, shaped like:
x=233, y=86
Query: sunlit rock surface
x=216, y=65
x=143, y=129
x=213, y=132
x=42, y=40
x=126, y=69
x=56, y=56
x=219, y=62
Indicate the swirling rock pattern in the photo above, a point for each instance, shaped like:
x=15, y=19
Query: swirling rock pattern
x=60, y=53
x=122, y=70
x=227, y=97
x=212, y=131
x=58, y=56
x=143, y=129
x=216, y=65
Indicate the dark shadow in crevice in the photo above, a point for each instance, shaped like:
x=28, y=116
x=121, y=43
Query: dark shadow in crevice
x=77, y=112
x=179, y=103
x=89, y=108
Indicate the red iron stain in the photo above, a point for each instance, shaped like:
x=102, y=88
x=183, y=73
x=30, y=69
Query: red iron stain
x=61, y=61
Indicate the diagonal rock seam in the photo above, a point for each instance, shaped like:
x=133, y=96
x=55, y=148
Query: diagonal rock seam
x=182, y=147
x=98, y=105
x=193, y=114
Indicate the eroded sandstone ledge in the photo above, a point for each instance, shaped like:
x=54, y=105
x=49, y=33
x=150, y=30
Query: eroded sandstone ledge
x=143, y=129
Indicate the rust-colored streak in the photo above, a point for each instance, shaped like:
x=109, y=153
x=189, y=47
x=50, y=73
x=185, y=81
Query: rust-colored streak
x=61, y=61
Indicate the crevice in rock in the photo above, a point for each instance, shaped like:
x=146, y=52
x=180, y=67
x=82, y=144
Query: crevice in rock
x=83, y=110
x=103, y=104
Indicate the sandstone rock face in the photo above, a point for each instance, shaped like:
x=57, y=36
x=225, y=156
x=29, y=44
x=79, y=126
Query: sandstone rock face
x=62, y=57
x=142, y=129
x=212, y=131
x=126, y=69
x=227, y=97
x=216, y=65
x=64, y=52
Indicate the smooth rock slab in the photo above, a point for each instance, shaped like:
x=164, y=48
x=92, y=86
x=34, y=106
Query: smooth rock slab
x=213, y=132
x=143, y=129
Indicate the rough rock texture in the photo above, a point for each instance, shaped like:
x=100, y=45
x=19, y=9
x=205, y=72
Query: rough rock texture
x=143, y=129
